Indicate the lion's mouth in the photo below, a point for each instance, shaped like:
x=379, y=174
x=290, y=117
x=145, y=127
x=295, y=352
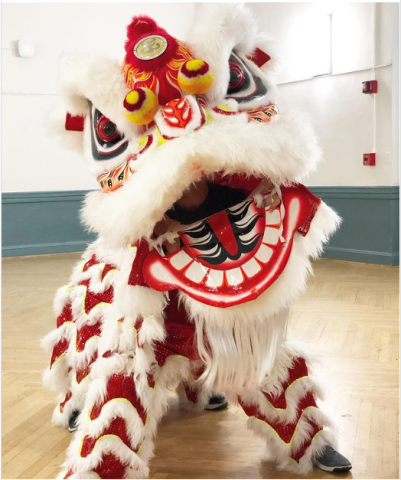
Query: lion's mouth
x=224, y=259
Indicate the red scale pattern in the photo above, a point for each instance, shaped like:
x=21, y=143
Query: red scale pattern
x=151, y=381
x=120, y=386
x=286, y=430
x=94, y=261
x=110, y=467
x=83, y=372
x=136, y=275
x=191, y=393
x=93, y=299
x=181, y=333
x=60, y=348
x=90, y=263
x=314, y=203
x=65, y=315
x=87, y=332
x=63, y=403
x=301, y=451
x=117, y=427
x=107, y=268
x=298, y=370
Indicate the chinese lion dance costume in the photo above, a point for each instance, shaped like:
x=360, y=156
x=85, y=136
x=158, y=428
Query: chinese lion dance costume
x=196, y=296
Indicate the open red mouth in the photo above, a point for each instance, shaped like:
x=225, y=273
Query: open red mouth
x=235, y=255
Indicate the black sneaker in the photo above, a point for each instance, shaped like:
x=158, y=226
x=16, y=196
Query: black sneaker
x=218, y=402
x=331, y=461
x=72, y=421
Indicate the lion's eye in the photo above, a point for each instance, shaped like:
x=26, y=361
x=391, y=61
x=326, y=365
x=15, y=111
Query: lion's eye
x=106, y=140
x=237, y=77
x=107, y=130
x=245, y=84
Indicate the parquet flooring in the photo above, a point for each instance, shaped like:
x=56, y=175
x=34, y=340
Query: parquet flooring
x=349, y=317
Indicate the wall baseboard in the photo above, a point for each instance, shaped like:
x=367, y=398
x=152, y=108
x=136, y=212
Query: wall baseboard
x=361, y=256
x=44, y=249
x=369, y=232
x=36, y=223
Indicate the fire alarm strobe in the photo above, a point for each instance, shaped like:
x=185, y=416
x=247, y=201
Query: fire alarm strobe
x=369, y=86
x=369, y=159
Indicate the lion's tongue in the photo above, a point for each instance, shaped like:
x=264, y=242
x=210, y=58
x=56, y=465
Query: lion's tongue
x=222, y=228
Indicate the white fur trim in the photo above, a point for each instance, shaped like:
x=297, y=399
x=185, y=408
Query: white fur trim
x=216, y=30
x=290, y=284
x=238, y=354
x=283, y=150
x=83, y=77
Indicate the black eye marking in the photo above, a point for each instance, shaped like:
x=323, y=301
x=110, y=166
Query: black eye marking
x=107, y=142
x=244, y=85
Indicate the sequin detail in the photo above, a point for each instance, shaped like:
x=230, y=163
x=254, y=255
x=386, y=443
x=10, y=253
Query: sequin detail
x=286, y=431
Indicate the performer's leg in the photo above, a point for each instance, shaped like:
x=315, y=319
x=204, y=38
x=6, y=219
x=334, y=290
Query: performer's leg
x=118, y=422
x=285, y=413
x=73, y=345
x=128, y=395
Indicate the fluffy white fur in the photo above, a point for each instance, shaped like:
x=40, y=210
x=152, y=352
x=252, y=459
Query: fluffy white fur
x=227, y=348
x=245, y=346
x=127, y=360
x=290, y=284
x=83, y=77
x=217, y=29
x=283, y=150
x=236, y=354
x=278, y=450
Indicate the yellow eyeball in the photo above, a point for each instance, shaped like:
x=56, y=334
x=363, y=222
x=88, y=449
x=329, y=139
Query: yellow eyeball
x=141, y=106
x=195, y=77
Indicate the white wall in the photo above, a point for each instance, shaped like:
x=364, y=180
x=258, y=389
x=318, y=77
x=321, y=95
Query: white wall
x=343, y=115
x=31, y=160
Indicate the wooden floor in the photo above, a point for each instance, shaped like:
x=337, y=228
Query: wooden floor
x=349, y=316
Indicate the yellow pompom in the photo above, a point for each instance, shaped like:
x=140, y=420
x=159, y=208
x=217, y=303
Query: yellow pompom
x=141, y=105
x=195, y=77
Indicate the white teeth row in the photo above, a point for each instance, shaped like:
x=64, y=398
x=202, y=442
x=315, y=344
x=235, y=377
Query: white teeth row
x=215, y=278
x=181, y=260
x=196, y=272
x=271, y=236
x=264, y=253
x=273, y=218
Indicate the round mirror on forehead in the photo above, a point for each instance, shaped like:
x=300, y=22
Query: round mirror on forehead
x=150, y=47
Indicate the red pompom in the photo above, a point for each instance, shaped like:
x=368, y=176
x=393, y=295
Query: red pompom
x=140, y=25
x=141, y=28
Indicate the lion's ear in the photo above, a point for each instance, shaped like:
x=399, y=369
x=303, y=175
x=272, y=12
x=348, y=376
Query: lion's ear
x=74, y=123
x=267, y=55
x=259, y=57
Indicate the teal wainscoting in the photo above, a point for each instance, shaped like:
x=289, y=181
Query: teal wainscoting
x=35, y=223
x=48, y=222
x=369, y=232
